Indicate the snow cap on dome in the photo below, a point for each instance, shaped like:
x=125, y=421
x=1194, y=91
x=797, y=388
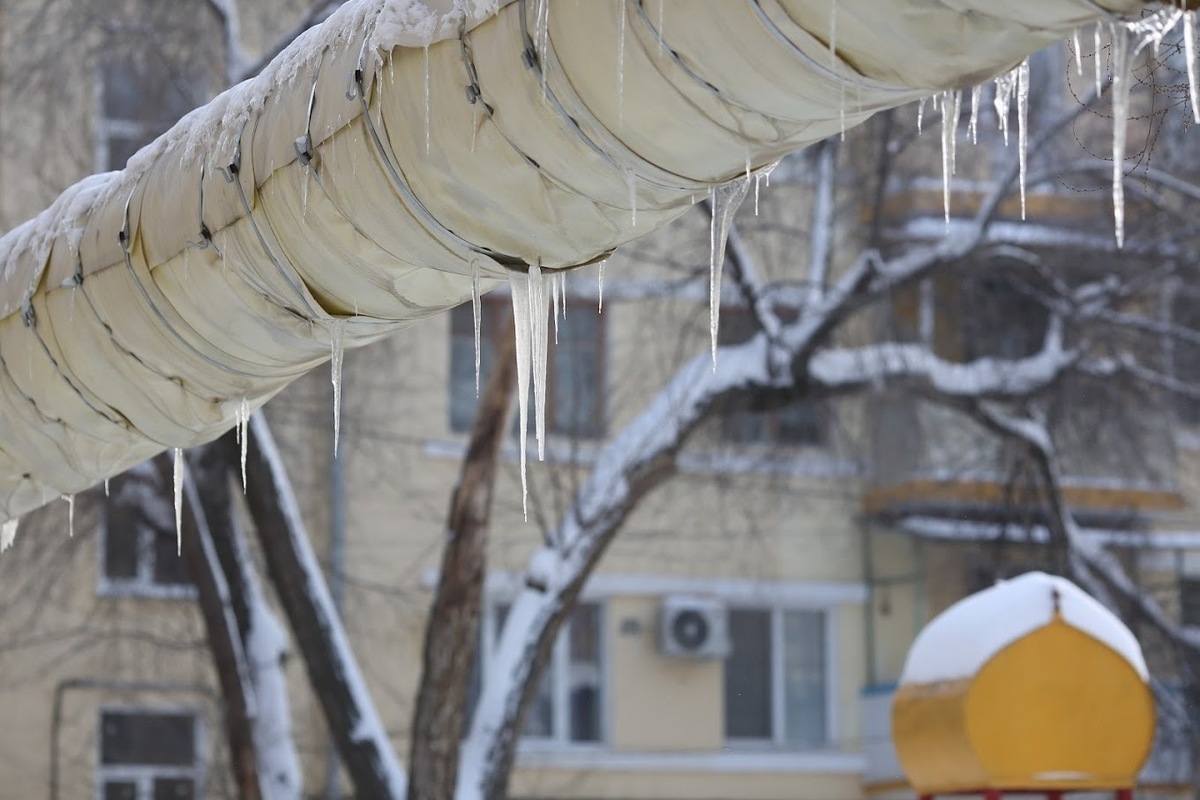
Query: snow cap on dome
x=964, y=637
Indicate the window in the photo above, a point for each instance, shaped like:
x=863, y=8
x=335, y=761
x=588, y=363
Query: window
x=1184, y=351
x=776, y=683
x=138, y=101
x=1189, y=601
x=575, y=369
x=763, y=419
x=568, y=707
x=148, y=755
x=139, y=544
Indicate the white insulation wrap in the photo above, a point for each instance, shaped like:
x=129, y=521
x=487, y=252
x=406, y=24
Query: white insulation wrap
x=145, y=307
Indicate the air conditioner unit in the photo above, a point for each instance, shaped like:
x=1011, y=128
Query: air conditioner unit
x=693, y=627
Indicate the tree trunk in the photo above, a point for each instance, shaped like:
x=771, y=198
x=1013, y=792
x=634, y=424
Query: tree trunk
x=452, y=629
x=224, y=639
x=353, y=723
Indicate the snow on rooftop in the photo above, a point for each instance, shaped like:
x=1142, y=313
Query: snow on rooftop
x=965, y=637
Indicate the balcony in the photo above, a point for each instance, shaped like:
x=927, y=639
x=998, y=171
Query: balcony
x=933, y=462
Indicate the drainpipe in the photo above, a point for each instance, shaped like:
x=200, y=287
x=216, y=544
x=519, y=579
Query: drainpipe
x=337, y=567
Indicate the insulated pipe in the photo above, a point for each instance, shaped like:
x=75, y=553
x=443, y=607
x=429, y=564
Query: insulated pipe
x=396, y=156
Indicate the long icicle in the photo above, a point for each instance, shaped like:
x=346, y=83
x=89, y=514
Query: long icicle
x=1023, y=125
x=178, y=501
x=477, y=312
x=725, y=200
x=1189, y=47
x=539, y=308
x=337, y=347
x=1122, y=64
x=519, y=285
x=243, y=428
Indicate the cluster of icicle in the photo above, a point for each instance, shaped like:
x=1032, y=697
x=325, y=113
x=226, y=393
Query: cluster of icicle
x=534, y=292
x=1127, y=39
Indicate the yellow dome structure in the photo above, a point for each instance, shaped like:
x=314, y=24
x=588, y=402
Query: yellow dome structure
x=1029, y=686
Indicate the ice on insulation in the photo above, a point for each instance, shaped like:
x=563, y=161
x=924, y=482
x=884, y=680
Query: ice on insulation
x=425, y=65
x=966, y=636
x=178, y=480
x=725, y=201
x=621, y=66
x=8, y=534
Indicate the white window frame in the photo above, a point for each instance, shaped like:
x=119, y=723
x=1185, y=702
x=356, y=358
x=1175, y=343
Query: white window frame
x=778, y=738
x=144, y=775
x=559, y=666
x=143, y=585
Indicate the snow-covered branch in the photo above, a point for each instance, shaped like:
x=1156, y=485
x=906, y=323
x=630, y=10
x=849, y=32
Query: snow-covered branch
x=986, y=378
x=1090, y=564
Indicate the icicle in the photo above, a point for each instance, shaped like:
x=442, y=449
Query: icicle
x=1189, y=47
x=178, y=501
x=243, y=425
x=539, y=309
x=562, y=287
x=920, y=115
x=554, y=281
x=426, y=65
x=976, y=96
x=337, y=337
x=106, y=487
x=70, y=498
x=725, y=200
x=621, y=66
x=1078, y=52
x=600, y=287
x=833, y=59
x=631, y=188
x=757, y=184
x=1096, y=59
x=1122, y=64
x=1022, y=124
x=477, y=313
x=8, y=534
x=519, y=285
x=1003, y=102
x=950, y=111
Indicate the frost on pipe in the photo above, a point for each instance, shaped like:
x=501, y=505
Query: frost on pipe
x=399, y=153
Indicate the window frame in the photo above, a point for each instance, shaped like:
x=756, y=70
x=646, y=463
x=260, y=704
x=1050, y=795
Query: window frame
x=143, y=775
x=777, y=741
x=143, y=585
x=106, y=128
x=559, y=666
x=733, y=318
x=500, y=306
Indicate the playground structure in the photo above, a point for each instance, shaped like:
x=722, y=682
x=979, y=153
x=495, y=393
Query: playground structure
x=1029, y=687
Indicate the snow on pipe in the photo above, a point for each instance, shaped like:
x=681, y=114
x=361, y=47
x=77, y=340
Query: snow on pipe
x=403, y=153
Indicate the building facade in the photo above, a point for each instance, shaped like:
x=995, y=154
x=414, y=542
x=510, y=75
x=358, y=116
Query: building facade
x=741, y=636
